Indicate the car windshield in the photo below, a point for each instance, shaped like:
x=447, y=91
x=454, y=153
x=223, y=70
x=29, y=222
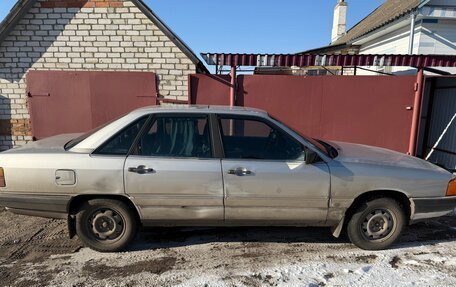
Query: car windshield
x=74, y=142
x=324, y=147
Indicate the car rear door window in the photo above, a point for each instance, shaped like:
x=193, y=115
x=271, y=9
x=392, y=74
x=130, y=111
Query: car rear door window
x=176, y=136
x=249, y=138
x=121, y=143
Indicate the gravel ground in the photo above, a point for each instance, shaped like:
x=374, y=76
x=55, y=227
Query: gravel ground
x=37, y=252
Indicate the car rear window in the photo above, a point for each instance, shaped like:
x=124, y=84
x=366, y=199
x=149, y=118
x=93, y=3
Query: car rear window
x=121, y=143
x=74, y=142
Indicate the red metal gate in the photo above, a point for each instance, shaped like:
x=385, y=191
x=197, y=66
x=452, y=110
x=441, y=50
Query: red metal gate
x=209, y=89
x=370, y=110
x=70, y=102
x=437, y=138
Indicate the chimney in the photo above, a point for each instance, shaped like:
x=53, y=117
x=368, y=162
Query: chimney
x=340, y=20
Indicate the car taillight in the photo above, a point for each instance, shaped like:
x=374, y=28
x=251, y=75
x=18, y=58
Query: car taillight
x=2, y=178
x=451, y=190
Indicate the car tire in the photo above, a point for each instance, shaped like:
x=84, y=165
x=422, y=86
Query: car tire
x=106, y=225
x=376, y=224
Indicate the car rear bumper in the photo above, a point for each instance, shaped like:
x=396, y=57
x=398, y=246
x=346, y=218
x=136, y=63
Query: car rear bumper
x=426, y=208
x=50, y=206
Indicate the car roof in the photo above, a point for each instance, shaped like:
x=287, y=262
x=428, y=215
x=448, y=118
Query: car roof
x=98, y=137
x=198, y=108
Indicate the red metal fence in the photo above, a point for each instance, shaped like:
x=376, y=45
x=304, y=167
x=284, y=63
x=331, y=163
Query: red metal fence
x=210, y=89
x=369, y=110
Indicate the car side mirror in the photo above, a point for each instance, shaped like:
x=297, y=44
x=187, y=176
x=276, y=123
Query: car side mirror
x=310, y=156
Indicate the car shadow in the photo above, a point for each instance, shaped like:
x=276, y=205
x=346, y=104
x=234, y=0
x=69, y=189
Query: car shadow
x=423, y=233
x=428, y=232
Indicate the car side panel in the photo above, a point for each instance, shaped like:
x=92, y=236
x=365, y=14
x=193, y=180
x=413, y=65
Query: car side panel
x=350, y=180
x=292, y=192
x=35, y=175
x=186, y=190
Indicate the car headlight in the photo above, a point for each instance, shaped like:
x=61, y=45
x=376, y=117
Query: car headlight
x=451, y=190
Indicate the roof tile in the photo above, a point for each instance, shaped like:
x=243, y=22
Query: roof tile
x=387, y=12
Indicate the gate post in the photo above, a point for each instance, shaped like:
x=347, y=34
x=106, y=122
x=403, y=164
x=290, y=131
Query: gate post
x=416, y=112
x=233, y=87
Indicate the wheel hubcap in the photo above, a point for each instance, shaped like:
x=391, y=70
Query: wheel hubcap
x=106, y=224
x=378, y=224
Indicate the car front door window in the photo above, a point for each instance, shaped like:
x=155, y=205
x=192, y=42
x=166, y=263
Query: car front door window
x=265, y=175
x=248, y=138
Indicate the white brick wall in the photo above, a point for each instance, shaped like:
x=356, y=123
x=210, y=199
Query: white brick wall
x=109, y=39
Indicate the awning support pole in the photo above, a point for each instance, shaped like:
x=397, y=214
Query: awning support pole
x=233, y=87
x=416, y=112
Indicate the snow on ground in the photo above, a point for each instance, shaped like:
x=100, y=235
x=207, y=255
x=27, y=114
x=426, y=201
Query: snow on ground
x=425, y=256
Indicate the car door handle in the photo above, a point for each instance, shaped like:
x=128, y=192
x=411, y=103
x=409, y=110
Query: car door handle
x=240, y=171
x=142, y=169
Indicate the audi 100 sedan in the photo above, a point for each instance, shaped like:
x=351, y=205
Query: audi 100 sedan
x=218, y=166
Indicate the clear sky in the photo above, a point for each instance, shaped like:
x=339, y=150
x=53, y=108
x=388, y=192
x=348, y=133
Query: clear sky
x=250, y=26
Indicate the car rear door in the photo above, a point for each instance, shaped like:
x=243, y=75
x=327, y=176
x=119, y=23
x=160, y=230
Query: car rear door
x=265, y=175
x=172, y=174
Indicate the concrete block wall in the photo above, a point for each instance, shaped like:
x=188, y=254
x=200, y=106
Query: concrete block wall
x=83, y=35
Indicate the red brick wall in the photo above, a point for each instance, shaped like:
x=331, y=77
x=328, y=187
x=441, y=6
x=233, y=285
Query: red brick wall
x=15, y=127
x=82, y=3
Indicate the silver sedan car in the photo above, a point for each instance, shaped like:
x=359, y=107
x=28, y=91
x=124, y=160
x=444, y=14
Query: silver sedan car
x=218, y=166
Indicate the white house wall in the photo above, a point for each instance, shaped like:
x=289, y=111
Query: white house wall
x=438, y=38
x=396, y=42
x=435, y=33
x=441, y=3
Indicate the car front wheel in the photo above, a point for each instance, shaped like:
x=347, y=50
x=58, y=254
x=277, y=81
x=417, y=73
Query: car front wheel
x=376, y=224
x=105, y=225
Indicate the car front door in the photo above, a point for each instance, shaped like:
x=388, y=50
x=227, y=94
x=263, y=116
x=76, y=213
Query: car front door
x=172, y=174
x=266, y=179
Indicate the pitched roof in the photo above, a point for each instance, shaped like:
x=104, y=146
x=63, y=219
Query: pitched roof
x=22, y=7
x=386, y=13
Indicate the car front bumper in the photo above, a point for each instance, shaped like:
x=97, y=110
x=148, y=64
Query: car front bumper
x=425, y=208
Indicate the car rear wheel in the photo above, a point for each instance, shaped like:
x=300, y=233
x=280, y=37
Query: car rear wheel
x=105, y=225
x=376, y=224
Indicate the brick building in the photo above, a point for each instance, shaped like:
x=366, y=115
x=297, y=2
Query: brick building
x=41, y=37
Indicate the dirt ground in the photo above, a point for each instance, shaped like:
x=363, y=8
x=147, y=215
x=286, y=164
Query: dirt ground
x=37, y=252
